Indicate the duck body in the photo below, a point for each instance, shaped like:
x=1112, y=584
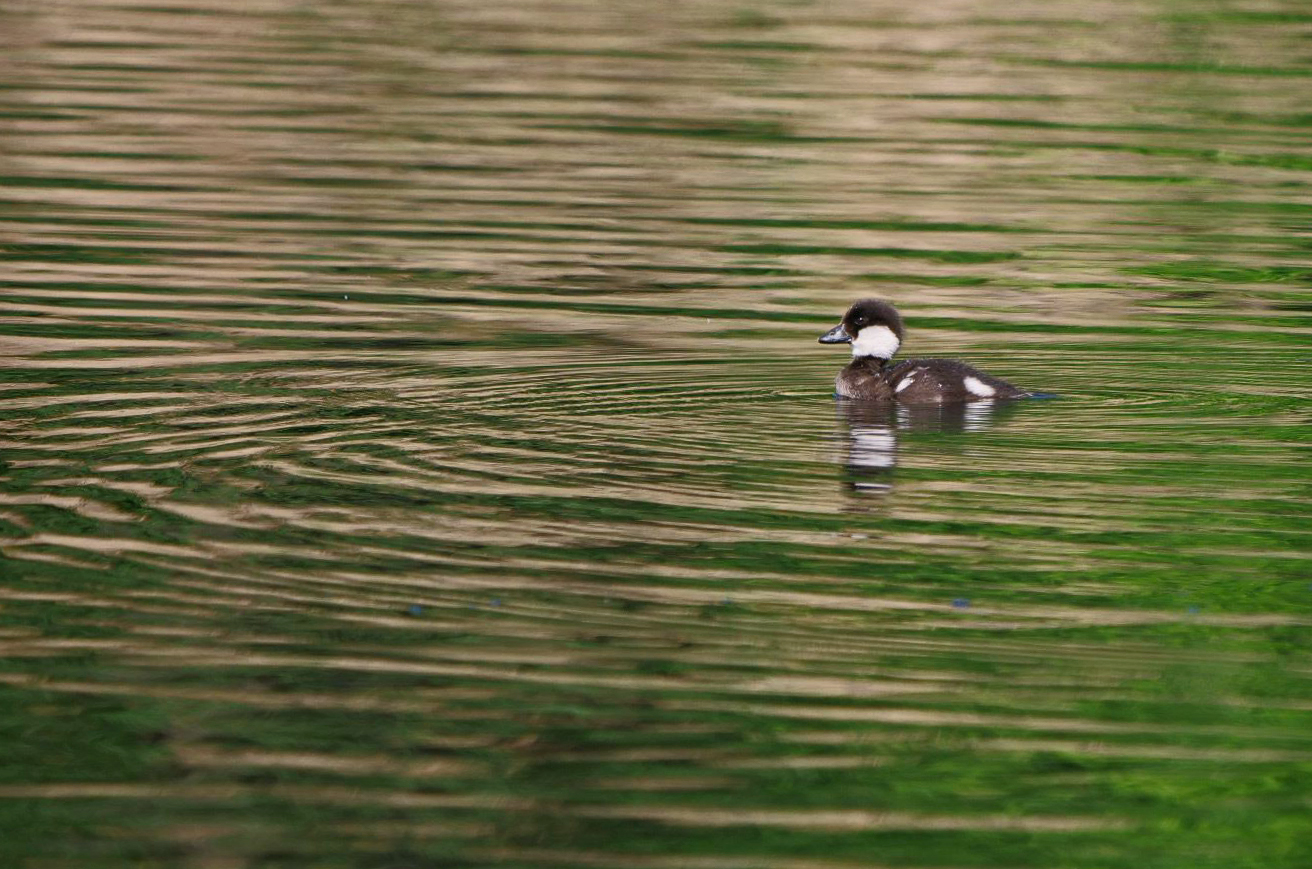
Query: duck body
x=874, y=329
x=937, y=381
x=864, y=379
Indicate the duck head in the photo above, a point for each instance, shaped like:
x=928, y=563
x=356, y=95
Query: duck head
x=871, y=326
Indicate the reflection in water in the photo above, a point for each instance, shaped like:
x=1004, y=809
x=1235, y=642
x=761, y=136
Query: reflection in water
x=872, y=432
x=871, y=438
x=957, y=417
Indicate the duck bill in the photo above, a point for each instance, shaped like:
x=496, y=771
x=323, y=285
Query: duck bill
x=836, y=335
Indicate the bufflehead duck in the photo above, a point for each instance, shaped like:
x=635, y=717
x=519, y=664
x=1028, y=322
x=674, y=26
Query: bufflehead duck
x=874, y=329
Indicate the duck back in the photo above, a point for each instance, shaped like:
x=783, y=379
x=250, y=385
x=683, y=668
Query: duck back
x=923, y=381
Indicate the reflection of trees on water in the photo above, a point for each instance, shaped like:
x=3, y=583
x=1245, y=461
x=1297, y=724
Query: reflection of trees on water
x=872, y=430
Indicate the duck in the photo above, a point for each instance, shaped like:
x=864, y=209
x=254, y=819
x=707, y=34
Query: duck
x=874, y=329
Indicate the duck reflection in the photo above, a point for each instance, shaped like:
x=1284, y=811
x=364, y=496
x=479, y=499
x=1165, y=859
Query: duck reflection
x=955, y=418
x=871, y=441
x=871, y=431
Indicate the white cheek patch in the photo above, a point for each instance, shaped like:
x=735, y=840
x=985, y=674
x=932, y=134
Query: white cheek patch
x=975, y=386
x=878, y=341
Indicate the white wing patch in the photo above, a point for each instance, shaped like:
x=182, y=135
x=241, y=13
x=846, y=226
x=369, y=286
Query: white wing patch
x=877, y=341
x=975, y=386
x=906, y=381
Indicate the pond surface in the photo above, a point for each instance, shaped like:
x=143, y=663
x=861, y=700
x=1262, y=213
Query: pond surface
x=416, y=449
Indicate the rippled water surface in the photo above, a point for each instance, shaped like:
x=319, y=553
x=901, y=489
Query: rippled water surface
x=416, y=451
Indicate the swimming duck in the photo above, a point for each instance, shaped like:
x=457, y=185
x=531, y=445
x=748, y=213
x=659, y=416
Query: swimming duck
x=874, y=329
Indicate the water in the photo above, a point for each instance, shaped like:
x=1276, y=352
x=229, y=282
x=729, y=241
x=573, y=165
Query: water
x=417, y=451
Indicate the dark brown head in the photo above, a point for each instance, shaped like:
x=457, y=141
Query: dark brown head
x=871, y=326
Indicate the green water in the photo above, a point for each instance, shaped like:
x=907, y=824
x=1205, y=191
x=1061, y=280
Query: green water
x=416, y=451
